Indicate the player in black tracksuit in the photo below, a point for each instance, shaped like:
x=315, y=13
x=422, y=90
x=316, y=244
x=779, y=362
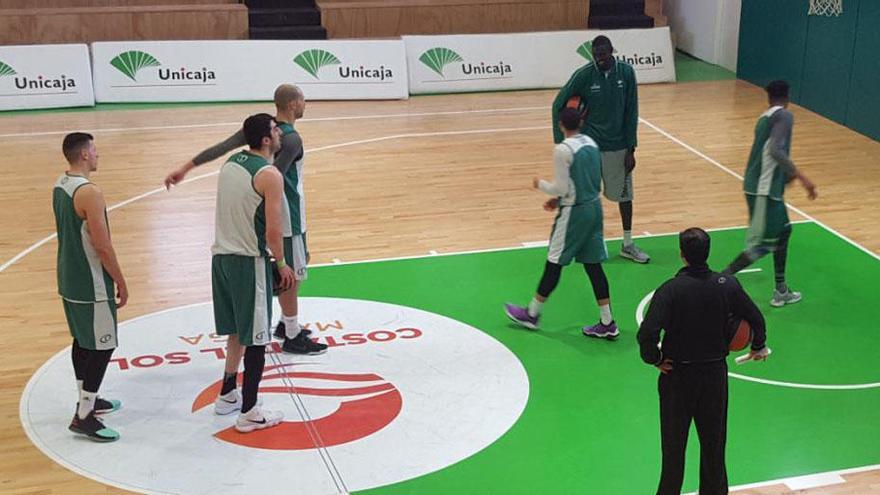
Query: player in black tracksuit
x=694, y=310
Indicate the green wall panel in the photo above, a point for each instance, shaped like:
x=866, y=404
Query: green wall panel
x=827, y=66
x=863, y=109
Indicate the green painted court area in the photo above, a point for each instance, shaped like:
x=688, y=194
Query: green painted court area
x=592, y=424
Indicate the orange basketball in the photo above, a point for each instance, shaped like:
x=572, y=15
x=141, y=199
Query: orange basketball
x=578, y=104
x=742, y=335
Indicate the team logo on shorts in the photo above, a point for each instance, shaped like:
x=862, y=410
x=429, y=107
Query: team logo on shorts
x=400, y=393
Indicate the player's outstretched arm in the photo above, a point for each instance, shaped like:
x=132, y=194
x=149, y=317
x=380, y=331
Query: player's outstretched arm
x=210, y=154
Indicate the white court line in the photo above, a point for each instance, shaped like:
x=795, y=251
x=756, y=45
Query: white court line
x=523, y=245
x=798, y=480
x=318, y=119
x=48, y=238
x=640, y=317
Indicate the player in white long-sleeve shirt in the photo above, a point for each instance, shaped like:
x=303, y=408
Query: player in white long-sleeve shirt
x=577, y=230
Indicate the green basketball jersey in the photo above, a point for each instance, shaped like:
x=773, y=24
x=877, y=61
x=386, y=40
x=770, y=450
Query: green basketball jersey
x=764, y=176
x=585, y=171
x=293, y=188
x=81, y=276
x=240, y=217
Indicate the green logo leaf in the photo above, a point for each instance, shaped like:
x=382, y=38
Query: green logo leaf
x=312, y=60
x=438, y=58
x=6, y=70
x=130, y=62
x=586, y=51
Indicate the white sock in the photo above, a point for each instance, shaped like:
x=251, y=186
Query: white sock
x=291, y=326
x=535, y=307
x=605, y=314
x=627, y=237
x=86, y=403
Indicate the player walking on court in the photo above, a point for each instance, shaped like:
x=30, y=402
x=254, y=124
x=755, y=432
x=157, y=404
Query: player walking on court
x=290, y=105
x=768, y=170
x=577, y=230
x=249, y=219
x=608, y=89
x=90, y=282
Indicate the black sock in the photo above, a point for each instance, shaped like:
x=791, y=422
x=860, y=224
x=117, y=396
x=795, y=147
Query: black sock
x=598, y=280
x=550, y=279
x=626, y=214
x=97, y=366
x=254, y=361
x=80, y=358
x=779, y=258
x=741, y=261
x=229, y=382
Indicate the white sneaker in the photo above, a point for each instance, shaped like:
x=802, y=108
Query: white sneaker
x=227, y=404
x=257, y=419
x=780, y=299
x=634, y=253
x=231, y=402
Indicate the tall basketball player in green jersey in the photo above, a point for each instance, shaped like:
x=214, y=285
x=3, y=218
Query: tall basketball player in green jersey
x=290, y=106
x=768, y=170
x=609, y=91
x=89, y=280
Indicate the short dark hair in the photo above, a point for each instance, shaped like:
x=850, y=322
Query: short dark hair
x=570, y=118
x=777, y=89
x=256, y=127
x=602, y=40
x=694, y=244
x=73, y=145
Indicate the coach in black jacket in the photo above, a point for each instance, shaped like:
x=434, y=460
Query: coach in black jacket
x=693, y=309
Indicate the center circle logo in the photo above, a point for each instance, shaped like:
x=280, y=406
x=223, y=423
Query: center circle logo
x=364, y=398
x=400, y=393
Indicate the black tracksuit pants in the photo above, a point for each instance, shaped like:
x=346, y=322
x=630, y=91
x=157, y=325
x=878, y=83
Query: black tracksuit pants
x=695, y=392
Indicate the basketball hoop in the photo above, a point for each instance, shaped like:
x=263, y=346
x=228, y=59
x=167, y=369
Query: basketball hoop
x=827, y=8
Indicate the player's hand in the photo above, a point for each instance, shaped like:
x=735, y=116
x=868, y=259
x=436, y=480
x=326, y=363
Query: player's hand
x=551, y=204
x=665, y=366
x=535, y=182
x=286, y=278
x=178, y=175
x=759, y=355
x=121, y=294
x=629, y=161
x=810, y=187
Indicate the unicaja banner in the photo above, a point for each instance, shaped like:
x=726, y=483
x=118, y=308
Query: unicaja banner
x=649, y=51
x=164, y=71
x=491, y=62
x=45, y=76
x=478, y=62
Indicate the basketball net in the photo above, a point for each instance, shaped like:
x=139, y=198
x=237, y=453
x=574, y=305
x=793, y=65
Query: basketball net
x=826, y=8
